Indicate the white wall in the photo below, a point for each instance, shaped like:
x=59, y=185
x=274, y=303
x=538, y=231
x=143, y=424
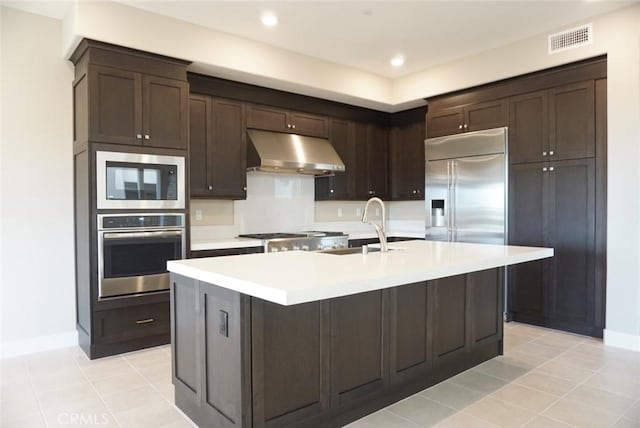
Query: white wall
x=36, y=188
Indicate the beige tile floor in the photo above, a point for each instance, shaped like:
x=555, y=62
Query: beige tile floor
x=545, y=379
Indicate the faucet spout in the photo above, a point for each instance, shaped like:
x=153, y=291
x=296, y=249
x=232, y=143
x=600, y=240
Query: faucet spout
x=380, y=229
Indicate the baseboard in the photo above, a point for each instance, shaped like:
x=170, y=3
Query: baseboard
x=33, y=345
x=622, y=340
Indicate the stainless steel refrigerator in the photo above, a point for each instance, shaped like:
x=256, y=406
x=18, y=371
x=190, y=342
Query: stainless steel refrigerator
x=466, y=187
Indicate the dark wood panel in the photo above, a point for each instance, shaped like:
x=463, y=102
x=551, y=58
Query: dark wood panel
x=377, y=161
x=529, y=127
x=185, y=317
x=359, y=364
x=572, y=234
x=115, y=98
x=267, y=118
x=450, y=318
x=165, y=118
x=81, y=110
x=528, y=218
x=406, y=161
x=486, y=288
x=83, y=248
x=601, y=206
x=290, y=362
x=411, y=327
x=360, y=156
x=572, y=121
x=444, y=122
x=307, y=124
x=229, y=154
x=199, y=143
x=222, y=342
x=487, y=115
x=131, y=323
x=340, y=186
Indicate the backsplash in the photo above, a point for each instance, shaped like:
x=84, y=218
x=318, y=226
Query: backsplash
x=285, y=203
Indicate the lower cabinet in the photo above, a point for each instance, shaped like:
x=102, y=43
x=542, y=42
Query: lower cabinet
x=240, y=361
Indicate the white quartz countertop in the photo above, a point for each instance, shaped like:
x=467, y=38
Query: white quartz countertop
x=289, y=278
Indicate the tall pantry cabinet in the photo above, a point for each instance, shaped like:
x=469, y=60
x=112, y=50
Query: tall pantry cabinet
x=557, y=142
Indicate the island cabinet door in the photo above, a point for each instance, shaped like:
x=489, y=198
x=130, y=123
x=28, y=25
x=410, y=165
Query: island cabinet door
x=451, y=331
x=359, y=351
x=225, y=397
x=487, y=307
x=290, y=362
x=185, y=328
x=410, y=336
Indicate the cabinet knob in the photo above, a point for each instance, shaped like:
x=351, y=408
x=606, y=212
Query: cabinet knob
x=544, y=153
x=544, y=169
x=551, y=168
x=210, y=187
x=139, y=136
x=551, y=153
x=459, y=126
x=330, y=190
x=289, y=125
x=146, y=136
x=414, y=192
x=466, y=126
x=293, y=126
x=244, y=188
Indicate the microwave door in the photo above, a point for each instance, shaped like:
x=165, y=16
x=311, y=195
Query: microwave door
x=438, y=200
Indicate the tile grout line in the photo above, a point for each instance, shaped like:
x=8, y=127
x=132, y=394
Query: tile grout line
x=386, y=409
x=35, y=394
x=97, y=393
x=624, y=413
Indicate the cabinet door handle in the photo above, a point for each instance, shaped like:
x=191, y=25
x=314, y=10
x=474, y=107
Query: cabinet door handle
x=293, y=126
x=544, y=169
x=244, y=188
x=146, y=136
x=289, y=125
x=459, y=126
x=330, y=190
x=544, y=153
x=139, y=136
x=551, y=153
x=550, y=168
x=145, y=321
x=210, y=187
x=466, y=125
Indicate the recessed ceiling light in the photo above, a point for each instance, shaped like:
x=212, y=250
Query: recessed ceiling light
x=397, y=61
x=269, y=19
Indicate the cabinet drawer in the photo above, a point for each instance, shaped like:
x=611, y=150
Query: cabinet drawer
x=134, y=322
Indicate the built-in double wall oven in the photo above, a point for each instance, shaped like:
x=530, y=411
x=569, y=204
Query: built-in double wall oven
x=134, y=245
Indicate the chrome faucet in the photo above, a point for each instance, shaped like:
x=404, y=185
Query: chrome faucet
x=382, y=235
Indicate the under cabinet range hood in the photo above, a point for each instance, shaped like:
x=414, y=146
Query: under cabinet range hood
x=291, y=153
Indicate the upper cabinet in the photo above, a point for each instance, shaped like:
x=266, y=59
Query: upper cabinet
x=129, y=97
x=339, y=186
x=554, y=124
x=471, y=117
x=274, y=119
x=217, y=148
x=371, y=161
x=406, y=161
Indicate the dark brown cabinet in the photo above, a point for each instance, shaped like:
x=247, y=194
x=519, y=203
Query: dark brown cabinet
x=554, y=124
x=274, y=119
x=137, y=109
x=371, y=161
x=218, y=148
x=406, y=162
x=553, y=204
x=340, y=186
x=472, y=117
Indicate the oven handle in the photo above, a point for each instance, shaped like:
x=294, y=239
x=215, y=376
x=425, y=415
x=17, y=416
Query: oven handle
x=129, y=235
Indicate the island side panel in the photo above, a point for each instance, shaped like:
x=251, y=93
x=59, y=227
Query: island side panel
x=290, y=361
x=487, y=294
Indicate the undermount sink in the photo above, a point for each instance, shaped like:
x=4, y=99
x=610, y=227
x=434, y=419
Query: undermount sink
x=345, y=251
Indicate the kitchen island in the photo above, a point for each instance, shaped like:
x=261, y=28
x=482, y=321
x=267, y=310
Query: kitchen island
x=318, y=339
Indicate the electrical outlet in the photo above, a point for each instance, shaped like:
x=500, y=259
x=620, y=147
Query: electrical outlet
x=198, y=215
x=358, y=212
x=339, y=212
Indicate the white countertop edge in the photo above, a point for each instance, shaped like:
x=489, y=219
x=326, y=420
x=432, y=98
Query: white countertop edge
x=293, y=297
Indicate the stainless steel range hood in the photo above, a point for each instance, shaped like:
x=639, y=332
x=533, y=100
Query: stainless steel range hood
x=291, y=153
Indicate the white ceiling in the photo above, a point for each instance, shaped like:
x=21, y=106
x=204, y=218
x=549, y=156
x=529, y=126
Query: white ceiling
x=366, y=34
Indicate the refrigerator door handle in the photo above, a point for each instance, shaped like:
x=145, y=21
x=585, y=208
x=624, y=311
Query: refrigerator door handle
x=452, y=203
x=448, y=202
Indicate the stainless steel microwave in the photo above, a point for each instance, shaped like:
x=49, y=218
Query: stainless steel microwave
x=139, y=181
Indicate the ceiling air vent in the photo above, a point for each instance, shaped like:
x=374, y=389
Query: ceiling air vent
x=569, y=39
